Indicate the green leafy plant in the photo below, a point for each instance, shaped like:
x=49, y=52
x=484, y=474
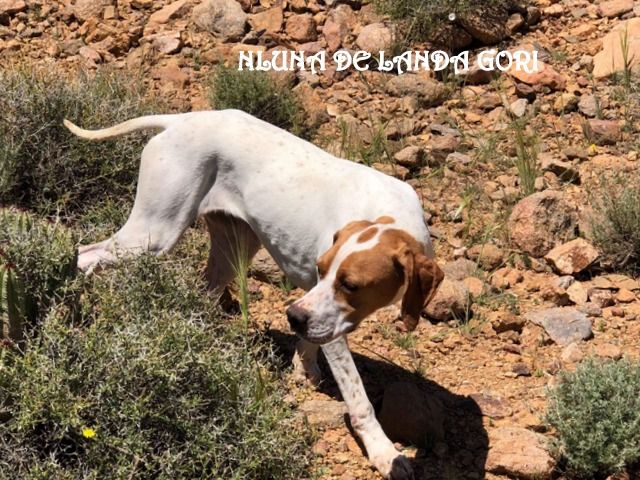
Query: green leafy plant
x=150, y=381
x=260, y=94
x=37, y=259
x=44, y=167
x=596, y=414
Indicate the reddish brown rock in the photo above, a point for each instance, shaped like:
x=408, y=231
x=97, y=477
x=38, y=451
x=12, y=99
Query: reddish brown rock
x=615, y=8
x=411, y=157
x=537, y=75
x=339, y=23
x=540, y=221
x=518, y=452
x=488, y=256
x=604, y=132
x=168, y=12
x=572, y=257
x=452, y=300
x=269, y=20
x=301, y=28
x=85, y=9
x=11, y=7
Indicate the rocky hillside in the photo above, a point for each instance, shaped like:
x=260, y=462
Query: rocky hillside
x=520, y=174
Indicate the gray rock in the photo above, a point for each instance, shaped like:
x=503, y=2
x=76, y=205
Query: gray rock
x=375, y=38
x=325, y=413
x=460, y=269
x=588, y=105
x=428, y=91
x=223, y=18
x=563, y=324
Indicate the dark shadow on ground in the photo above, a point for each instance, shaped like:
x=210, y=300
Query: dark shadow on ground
x=455, y=445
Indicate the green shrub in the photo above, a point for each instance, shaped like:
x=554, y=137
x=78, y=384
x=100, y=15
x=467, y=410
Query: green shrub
x=46, y=168
x=260, y=94
x=615, y=222
x=37, y=259
x=148, y=384
x=596, y=414
x=418, y=19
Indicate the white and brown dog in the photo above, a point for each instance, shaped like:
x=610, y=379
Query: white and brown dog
x=354, y=238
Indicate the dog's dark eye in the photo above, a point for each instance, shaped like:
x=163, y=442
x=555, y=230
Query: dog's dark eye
x=348, y=286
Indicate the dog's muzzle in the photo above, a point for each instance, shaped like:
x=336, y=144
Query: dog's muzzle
x=298, y=319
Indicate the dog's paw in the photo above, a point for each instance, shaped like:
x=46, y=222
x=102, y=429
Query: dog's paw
x=306, y=373
x=393, y=466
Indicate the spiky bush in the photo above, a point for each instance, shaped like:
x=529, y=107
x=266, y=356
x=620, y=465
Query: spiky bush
x=260, y=94
x=596, y=414
x=42, y=165
x=37, y=259
x=615, y=222
x=419, y=19
x=150, y=382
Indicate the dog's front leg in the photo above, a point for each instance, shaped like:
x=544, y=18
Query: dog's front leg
x=305, y=363
x=389, y=462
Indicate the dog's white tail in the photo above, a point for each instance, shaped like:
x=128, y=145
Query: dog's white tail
x=140, y=123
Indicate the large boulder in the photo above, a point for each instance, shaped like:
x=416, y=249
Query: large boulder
x=611, y=59
x=540, y=221
x=223, y=18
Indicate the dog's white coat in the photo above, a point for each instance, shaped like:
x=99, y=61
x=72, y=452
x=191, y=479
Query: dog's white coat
x=257, y=184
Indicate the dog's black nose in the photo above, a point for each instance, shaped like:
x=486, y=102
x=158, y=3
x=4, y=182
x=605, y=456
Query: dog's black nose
x=298, y=318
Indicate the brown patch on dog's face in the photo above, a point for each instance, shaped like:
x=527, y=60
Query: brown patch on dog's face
x=368, y=234
x=385, y=220
x=370, y=279
x=359, y=275
x=339, y=238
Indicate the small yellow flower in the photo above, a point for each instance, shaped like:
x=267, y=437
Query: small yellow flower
x=88, y=432
x=593, y=148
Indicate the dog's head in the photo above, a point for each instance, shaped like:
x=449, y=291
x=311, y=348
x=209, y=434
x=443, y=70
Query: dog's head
x=370, y=265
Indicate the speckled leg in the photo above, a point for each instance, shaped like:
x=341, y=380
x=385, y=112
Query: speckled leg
x=387, y=460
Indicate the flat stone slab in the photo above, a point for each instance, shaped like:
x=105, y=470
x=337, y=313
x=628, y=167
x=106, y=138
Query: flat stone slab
x=564, y=324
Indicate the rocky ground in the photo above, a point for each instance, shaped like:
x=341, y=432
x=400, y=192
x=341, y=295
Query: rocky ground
x=525, y=296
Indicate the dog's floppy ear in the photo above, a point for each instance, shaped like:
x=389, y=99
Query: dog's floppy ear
x=422, y=279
